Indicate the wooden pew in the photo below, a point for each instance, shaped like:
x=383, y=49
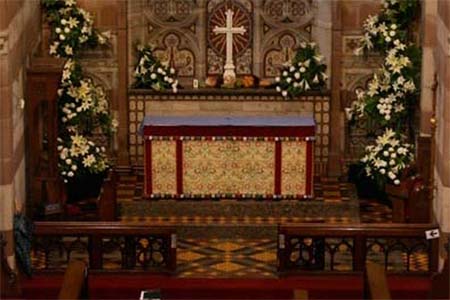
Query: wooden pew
x=74, y=284
x=300, y=295
x=375, y=282
x=440, y=283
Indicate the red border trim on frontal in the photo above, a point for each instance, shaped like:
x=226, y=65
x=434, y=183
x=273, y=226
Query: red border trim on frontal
x=148, y=167
x=309, y=169
x=278, y=163
x=247, y=131
x=179, y=164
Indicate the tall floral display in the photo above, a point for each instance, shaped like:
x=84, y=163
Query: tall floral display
x=83, y=108
x=392, y=93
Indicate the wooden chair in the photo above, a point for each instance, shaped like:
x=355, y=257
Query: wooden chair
x=375, y=282
x=74, y=284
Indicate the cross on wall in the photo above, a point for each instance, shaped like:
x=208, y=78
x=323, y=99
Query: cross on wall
x=229, y=76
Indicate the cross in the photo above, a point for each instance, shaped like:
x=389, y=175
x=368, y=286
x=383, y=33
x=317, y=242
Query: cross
x=229, y=76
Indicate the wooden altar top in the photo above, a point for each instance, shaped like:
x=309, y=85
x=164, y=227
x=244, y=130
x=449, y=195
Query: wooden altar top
x=225, y=92
x=227, y=121
x=296, y=126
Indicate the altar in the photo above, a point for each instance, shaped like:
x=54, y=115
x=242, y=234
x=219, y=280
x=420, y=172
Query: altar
x=228, y=157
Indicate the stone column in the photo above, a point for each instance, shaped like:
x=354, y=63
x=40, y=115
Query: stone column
x=336, y=116
x=442, y=137
x=19, y=34
x=257, y=45
x=322, y=30
x=201, y=58
x=429, y=11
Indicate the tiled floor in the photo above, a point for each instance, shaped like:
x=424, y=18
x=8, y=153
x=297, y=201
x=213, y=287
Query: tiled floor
x=212, y=250
x=326, y=190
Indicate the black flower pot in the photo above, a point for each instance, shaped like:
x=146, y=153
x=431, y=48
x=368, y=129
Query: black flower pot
x=84, y=187
x=366, y=187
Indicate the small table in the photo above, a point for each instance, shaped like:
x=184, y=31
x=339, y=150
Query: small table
x=228, y=157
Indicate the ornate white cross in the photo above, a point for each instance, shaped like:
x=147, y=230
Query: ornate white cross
x=229, y=76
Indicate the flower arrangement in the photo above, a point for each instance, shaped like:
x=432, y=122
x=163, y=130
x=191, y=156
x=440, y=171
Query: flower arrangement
x=151, y=73
x=71, y=28
x=80, y=156
x=392, y=91
x=83, y=107
x=387, y=158
x=305, y=72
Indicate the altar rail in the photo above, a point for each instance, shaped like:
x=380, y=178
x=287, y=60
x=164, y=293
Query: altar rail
x=233, y=102
x=137, y=247
x=315, y=247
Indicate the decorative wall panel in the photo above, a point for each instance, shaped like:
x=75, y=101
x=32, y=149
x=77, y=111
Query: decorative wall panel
x=182, y=33
x=285, y=24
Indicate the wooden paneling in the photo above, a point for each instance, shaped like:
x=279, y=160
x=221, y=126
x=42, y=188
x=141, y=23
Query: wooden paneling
x=41, y=133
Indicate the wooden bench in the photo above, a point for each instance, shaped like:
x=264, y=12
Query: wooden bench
x=75, y=284
x=440, y=283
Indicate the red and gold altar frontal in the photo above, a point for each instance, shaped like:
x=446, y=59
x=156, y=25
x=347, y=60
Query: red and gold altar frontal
x=228, y=157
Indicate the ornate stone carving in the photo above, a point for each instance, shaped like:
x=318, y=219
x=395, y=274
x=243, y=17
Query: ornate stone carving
x=171, y=11
x=286, y=23
x=182, y=59
x=171, y=26
x=350, y=43
x=288, y=12
x=284, y=52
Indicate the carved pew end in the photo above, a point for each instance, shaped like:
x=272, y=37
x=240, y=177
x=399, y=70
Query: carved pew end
x=75, y=281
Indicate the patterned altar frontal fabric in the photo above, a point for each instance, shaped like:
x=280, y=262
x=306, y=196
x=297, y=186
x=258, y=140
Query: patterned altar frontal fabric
x=215, y=158
x=228, y=167
x=164, y=167
x=293, y=167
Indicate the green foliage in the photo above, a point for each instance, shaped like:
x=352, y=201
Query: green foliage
x=83, y=107
x=391, y=97
x=305, y=72
x=151, y=73
x=71, y=28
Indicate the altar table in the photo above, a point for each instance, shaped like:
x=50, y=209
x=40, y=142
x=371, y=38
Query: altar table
x=228, y=157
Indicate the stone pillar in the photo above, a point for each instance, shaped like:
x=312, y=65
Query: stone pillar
x=442, y=137
x=201, y=63
x=19, y=34
x=258, y=28
x=429, y=11
x=322, y=31
x=336, y=115
x=427, y=95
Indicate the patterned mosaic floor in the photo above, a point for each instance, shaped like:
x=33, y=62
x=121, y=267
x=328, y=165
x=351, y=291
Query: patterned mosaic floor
x=334, y=202
x=231, y=238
